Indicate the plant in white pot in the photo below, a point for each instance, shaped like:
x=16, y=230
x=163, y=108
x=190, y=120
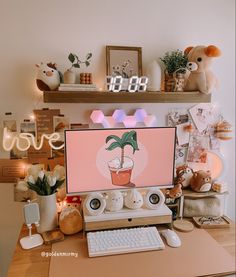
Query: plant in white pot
x=45, y=184
x=121, y=168
x=69, y=75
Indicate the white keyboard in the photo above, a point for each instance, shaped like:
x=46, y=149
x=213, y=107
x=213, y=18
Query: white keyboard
x=120, y=241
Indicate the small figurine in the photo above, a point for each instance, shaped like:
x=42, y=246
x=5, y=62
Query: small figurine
x=175, y=192
x=133, y=199
x=183, y=175
x=48, y=77
x=114, y=201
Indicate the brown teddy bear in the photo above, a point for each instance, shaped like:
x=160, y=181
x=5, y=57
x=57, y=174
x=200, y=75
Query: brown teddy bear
x=201, y=181
x=201, y=78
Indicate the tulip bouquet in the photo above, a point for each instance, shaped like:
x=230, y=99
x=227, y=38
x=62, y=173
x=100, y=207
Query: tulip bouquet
x=41, y=181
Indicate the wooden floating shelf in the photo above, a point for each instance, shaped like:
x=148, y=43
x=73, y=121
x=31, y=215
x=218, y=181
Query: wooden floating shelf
x=125, y=97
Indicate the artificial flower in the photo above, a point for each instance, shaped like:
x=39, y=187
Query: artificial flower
x=51, y=180
x=41, y=174
x=31, y=179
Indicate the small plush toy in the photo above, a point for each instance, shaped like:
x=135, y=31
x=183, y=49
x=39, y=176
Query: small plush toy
x=70, y=221
x=183, y=175
x=201, y=181
x=175, y=192
x=201, y=78
x=133, y=199
x=48, y=77
x=114, y=201
x=73, y=201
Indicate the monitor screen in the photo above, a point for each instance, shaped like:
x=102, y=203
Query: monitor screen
x=106, y=159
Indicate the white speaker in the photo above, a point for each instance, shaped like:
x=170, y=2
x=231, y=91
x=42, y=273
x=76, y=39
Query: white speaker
x=154, y=198
x=95, y=203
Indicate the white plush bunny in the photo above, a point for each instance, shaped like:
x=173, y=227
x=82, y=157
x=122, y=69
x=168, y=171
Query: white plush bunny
x=114, y=201
x=133, y=199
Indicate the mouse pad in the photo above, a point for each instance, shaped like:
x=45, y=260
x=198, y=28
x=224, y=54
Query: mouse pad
x=198, y=255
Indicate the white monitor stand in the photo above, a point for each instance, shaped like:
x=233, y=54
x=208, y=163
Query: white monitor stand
x=127, y=218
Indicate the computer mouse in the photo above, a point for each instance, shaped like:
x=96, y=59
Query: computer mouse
x=171, y=237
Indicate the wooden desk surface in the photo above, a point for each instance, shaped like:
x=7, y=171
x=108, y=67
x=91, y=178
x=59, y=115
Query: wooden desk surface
x=31, y=263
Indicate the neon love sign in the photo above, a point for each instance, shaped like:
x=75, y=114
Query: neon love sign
x=28, y=139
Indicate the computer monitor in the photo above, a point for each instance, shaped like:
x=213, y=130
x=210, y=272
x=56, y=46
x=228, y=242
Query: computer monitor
x=108, y=159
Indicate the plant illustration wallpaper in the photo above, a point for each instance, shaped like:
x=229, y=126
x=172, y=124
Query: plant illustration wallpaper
x=119, y=158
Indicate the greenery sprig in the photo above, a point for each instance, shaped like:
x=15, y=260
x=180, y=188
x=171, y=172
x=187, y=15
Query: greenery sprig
x=76, y=62
x=174, y=60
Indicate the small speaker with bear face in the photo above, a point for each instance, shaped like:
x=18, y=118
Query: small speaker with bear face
x=95, y=203
x=154, y=198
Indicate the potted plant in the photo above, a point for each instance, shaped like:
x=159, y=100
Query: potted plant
x=173, y=61
x=69, y=75
x=121, y=168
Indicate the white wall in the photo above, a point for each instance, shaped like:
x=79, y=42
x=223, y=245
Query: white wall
x=33, y=31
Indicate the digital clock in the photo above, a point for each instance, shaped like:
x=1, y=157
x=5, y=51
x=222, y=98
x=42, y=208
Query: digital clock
x=133, y=84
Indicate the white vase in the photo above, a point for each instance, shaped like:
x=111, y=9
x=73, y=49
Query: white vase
x=154, y=76
x=69, y=77
x=48, y=213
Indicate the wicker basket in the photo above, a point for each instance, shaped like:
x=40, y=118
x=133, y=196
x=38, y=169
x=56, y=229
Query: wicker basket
x=169, y=82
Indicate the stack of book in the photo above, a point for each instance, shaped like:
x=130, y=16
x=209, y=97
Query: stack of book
x=77, y=87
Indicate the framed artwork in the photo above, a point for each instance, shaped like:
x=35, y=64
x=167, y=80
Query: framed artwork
x=28, y=127
x=60, y=123
x=10, y=125
x=123, y=61
x=44, y=121
x=11, y=170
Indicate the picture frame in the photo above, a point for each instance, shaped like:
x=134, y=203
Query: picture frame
x=10, y=125
x=125, y=61
x=28, y=127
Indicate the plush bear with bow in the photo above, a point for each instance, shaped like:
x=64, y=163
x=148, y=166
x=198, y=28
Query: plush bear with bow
x=201, y=78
